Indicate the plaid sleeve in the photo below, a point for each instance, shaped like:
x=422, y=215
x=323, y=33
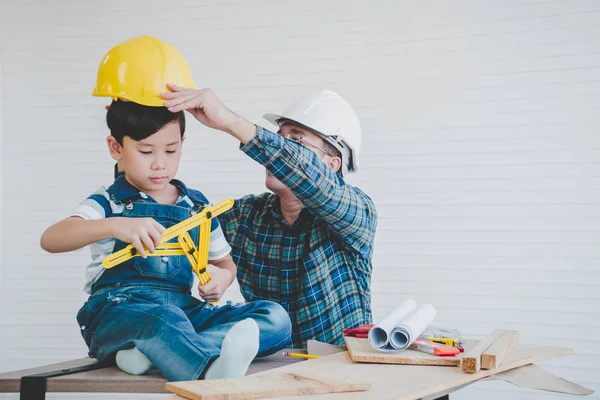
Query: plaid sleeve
x=230, y=219
x=348, y=210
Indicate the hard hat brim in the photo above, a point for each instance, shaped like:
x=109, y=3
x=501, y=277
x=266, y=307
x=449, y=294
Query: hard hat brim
x=273, y=118
x=150, y=102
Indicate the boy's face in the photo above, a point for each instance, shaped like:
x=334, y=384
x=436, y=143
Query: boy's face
x=150, y=163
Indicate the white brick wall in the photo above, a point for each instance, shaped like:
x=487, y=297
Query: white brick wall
x=481, y=150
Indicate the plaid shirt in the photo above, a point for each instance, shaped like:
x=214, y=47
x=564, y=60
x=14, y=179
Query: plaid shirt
x=318, y=269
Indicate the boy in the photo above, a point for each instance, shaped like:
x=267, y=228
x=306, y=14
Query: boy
x=141, y=312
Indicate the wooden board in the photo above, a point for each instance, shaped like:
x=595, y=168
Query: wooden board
x=471, y=360
x=409, y=382
x=261, y=387
x=495, y=354
x=361, y=351
x=114, y=380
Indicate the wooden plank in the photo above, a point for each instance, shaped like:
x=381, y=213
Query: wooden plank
x=116, y=381
x=361, y=351
x=111, y=380
x=495, y=354
x=409, y=382
x=261, y=387
x=471, y=360
x=11, y=381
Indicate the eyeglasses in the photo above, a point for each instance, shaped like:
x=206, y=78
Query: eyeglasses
x=303, y=141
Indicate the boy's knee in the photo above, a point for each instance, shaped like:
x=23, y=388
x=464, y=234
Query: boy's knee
x=275, y=328
x=278, y=317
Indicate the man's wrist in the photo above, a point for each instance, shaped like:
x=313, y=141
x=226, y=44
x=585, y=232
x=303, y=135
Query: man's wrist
x=242, y=129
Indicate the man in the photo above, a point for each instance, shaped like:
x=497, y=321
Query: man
x=309, y=244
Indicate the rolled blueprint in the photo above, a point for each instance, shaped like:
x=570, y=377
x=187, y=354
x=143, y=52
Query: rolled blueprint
x=409, y=329
x=379, y=335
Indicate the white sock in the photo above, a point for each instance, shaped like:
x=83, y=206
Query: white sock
x=133, y=361
x=237, y=351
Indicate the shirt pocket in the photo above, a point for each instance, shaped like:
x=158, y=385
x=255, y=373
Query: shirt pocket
x=157, y=267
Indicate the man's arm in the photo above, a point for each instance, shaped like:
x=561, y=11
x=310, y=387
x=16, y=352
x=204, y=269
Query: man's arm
x=349, y=211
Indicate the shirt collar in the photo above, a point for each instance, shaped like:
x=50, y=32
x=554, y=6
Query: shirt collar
x=193, y=195
x=122, y=190
x=273, y=207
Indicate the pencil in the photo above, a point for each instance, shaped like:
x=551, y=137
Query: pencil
x=299, y=355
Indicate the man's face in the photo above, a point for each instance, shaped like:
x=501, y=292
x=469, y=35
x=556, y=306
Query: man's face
x=305, y=138
x=151, y=163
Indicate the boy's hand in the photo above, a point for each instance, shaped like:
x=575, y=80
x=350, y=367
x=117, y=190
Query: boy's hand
x=139, y=232
x=207, y=108
x=215, y=288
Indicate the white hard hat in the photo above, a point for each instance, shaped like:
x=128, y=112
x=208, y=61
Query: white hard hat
x=328, y=115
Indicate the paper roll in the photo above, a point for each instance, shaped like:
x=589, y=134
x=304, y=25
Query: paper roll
x=379, y=335
x=401, y=327
x=409, y=329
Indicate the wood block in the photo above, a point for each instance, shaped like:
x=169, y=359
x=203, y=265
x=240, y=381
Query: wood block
x=261, y=387
x=471, y=360
x=495, y=354
x=361, y=351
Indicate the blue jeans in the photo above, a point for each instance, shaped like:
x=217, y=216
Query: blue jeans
x=179, y=333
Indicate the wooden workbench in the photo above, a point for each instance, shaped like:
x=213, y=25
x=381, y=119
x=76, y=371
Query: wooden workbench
x=406, y=382
x=112, y=379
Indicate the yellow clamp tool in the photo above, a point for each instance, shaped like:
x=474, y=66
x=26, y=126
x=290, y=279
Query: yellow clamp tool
x=205, y=215
x=198, y=260
x=452, y=342
x=198, y=256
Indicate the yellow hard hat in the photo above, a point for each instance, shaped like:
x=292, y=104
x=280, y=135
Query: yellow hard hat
x=139, y=69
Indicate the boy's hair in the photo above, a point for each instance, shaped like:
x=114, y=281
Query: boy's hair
x=125, y=118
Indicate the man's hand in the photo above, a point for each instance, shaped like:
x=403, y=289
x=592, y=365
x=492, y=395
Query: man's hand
x=203, y=104
x=220, y=279
x=207, y=108
x=139, y=232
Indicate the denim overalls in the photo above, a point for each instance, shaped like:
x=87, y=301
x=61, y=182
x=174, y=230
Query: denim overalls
x=147, y=303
